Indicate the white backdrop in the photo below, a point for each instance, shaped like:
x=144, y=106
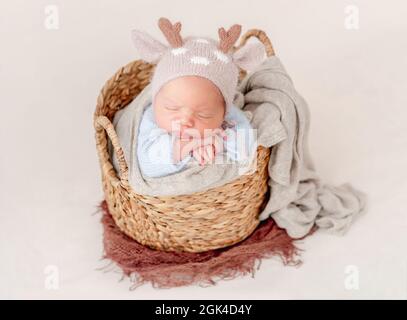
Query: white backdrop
x=353, y=79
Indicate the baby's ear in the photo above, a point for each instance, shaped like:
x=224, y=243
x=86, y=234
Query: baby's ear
x=148, y=48
x=250, y=56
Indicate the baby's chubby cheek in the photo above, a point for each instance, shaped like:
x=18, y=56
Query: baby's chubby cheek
x=162, y=119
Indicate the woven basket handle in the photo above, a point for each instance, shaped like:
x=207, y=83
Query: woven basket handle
x=262, y=36
x=103, y=123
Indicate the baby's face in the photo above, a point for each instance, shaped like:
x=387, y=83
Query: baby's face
x=191, y=101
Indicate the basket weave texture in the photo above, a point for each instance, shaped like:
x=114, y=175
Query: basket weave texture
x=198, y=222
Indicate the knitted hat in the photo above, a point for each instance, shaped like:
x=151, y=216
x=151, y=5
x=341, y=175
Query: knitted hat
x=198, y=56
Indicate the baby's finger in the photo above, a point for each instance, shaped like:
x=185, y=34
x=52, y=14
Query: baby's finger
x=218, y=145
x=204, y=155
x=212, y=151
x=198, y=155
x=202, y=159
x=207, y=140
x=224, y=135
x=208, y=154
x=220, y=132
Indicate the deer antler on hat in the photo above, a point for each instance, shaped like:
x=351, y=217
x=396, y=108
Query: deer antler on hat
x=228, y=39
x=171, y=32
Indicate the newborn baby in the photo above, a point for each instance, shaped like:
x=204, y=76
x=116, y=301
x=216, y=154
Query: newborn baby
x=192, y=118
x=186, y=123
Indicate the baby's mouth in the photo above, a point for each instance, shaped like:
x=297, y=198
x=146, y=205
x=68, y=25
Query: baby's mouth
x=185, y=135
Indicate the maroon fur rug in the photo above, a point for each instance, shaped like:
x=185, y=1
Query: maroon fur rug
x=173, y=269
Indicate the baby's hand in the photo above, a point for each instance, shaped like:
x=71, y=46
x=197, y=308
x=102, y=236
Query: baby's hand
x=204, y=154
x=181, y=148
x=209, y=146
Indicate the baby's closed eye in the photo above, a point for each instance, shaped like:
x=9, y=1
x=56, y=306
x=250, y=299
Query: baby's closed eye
x=205, y=115
x=172, y=108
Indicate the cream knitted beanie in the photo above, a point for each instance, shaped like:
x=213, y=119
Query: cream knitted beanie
x=199, y=56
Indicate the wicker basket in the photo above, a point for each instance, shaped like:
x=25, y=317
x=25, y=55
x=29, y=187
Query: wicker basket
x=197, y=222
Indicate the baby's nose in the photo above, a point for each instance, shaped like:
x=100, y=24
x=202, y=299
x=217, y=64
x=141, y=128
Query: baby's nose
x=187, y=120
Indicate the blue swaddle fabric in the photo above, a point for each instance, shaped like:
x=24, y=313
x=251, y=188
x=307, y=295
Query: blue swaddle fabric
x=155, y=152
